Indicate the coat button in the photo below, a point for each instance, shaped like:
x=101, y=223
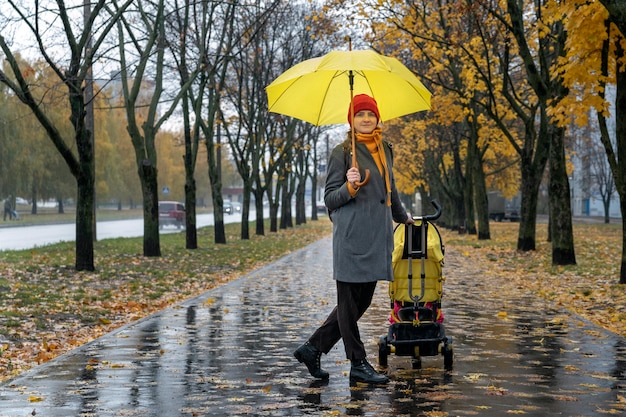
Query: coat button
x=382, y=201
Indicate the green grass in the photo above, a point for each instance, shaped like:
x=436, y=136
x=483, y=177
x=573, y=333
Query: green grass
x=48, y=215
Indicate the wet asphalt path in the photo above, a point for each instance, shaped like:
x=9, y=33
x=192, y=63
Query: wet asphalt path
x=229, y=352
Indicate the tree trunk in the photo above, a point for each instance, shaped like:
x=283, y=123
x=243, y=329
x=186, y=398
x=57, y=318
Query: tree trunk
x=149, y=186
x=218, y=213
x=467, y=217
x=84, y=219
x=189, y=158
x=85, y=178
x=526, y=238
x=274, y=206
x=299, y=175
x=301, y=202
x=458, y=190
x=532, y=172
x=258, y=202
x=560, y=203
x=245, y=210
x=191, y=232
x=214, y=165
x=481, y=203
x=286, y=220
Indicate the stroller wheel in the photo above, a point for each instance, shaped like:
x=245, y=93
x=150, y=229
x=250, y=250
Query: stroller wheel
x=448, y=357
x=383, y=351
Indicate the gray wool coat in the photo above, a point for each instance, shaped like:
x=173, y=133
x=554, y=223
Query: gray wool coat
x=362, y=225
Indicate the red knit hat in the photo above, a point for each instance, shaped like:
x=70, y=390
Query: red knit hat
x=363, y=102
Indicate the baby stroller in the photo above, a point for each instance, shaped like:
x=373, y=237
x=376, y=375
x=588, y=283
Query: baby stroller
x=416, y=318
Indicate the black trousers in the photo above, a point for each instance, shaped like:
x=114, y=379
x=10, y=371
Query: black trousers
x=353, y=299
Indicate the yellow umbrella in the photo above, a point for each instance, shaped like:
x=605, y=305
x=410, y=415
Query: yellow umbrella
x=318, y=90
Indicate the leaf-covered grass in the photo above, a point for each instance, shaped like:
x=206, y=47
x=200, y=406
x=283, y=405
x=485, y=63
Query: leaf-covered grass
x=590, y=288
x=47, y=308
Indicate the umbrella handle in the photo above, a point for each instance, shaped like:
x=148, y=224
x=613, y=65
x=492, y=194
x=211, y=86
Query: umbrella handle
x=365, y=180
x=354, y=163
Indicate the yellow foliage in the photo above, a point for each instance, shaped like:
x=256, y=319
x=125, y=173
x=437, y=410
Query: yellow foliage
x=580, y=68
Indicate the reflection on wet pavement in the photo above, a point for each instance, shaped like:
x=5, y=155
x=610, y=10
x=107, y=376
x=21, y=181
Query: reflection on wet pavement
x=229, y=352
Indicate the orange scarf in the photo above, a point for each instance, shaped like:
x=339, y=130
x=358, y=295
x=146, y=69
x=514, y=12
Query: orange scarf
x=374, y=143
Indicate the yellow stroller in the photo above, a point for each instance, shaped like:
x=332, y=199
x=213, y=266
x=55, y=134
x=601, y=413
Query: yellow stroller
x=416, y=318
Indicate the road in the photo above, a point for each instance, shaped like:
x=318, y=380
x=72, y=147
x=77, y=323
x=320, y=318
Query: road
x=29, y=237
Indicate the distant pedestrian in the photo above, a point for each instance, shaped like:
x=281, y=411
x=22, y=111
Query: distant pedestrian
x=362, y=240
x=8, y=208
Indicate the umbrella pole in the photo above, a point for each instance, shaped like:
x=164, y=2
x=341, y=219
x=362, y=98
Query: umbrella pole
x=353, y=136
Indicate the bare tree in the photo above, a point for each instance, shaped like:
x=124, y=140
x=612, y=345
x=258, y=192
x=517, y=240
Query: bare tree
x=148, y=105
x=202, y=42
x=69, y=46
x=262, y=143
x=217, y=41
x=258, y=144
x=601, y=178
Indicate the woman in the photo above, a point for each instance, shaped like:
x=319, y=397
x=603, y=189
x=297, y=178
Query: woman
x=362, y=240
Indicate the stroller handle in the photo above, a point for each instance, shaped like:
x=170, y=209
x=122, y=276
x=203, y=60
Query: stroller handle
x=433, y=216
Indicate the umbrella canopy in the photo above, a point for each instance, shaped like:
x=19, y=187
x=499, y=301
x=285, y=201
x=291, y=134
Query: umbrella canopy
x=318, y=90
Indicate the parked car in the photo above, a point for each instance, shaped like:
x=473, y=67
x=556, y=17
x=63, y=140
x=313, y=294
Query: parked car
x=171, y=213
x=228, y=207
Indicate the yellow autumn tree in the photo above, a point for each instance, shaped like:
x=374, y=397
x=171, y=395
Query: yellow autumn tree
x=454, y=47
x=595, y=61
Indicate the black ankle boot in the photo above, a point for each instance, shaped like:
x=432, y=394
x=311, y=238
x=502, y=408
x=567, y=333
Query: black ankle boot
x=310, y=356
x=362, y=371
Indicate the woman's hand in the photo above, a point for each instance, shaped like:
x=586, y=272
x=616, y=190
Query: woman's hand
x=353, y=175
x=409, y=219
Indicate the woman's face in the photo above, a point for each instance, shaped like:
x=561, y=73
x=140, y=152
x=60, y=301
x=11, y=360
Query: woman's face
x=365, y=121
